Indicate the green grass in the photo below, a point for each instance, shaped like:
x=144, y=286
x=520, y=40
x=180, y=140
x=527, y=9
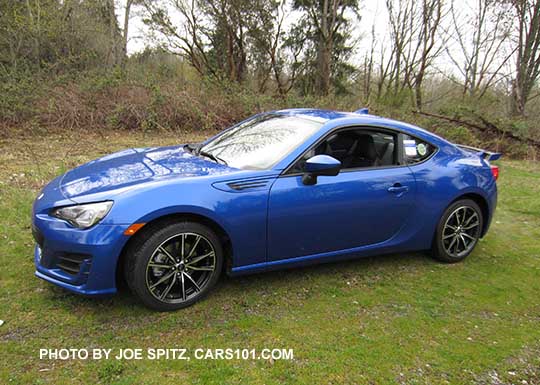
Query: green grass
x=402, y=319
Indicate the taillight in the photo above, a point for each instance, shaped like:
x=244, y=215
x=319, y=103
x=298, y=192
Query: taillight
x=495, y=172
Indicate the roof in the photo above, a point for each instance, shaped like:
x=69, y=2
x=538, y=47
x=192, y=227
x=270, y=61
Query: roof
x=316, y=113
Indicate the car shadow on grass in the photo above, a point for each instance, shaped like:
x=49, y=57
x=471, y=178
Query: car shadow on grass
x=370, y=269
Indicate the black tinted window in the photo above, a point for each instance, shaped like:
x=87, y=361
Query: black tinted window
x=356, y=148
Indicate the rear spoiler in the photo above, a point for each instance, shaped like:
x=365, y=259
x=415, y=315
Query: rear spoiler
x=487, y=155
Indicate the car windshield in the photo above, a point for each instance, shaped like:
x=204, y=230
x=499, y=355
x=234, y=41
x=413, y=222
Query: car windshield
x=262, y=141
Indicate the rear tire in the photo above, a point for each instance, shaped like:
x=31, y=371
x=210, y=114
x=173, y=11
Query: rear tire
x=173, y=266
x=458, y=231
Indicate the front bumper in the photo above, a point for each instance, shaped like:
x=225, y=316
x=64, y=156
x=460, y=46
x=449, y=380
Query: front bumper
x=81, y=261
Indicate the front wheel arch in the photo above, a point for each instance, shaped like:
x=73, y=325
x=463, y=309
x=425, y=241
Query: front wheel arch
x=174, y=218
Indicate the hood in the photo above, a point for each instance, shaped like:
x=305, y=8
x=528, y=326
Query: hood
x=130, y=167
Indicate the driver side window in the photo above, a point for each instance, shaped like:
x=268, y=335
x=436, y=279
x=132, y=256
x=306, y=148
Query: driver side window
x=356, y=148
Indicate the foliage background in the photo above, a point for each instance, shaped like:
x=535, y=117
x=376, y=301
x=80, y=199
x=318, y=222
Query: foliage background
x=64, y=66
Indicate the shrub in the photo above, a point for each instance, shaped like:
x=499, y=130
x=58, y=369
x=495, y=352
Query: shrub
x=168, y=94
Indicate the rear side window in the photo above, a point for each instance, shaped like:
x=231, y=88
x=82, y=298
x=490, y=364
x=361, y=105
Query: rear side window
x=416, y=150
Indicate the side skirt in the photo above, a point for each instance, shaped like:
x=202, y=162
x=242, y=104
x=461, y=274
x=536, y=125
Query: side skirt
x=333, y=256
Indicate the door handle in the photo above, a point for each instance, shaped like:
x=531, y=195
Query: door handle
x=398, y=188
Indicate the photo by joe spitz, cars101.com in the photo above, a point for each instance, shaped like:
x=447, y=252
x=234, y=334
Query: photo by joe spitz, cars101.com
x=280, y=189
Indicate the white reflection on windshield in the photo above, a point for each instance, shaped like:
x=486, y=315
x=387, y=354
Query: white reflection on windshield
x=261, y=142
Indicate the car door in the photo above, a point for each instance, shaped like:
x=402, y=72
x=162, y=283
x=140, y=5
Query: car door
x=367, y=203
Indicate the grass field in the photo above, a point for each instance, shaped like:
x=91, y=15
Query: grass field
x=402, y=319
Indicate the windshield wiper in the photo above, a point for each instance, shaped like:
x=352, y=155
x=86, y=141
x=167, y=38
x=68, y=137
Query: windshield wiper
x=215, y=158
x=191, y=147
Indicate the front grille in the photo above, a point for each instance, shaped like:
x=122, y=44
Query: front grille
x=71, y=263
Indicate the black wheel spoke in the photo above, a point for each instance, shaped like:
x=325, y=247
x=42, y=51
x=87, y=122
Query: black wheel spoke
x=452, y=243
x=161, y=280
x=199, y=258
x=192, y=281
x=468, y=236
x=183, y=287
x=183, y=247
x=460, y=232
x=458, y=218
x=180, y=267
x=462, y=238
x=165, y=252
x=471, y=226
x=197, y=240
x=456, y=246
x=469, y=220
x=160, y=265
x=201, y=268
x=168, y=289
x=175, y=249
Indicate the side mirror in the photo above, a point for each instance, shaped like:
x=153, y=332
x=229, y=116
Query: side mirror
x=320, y=165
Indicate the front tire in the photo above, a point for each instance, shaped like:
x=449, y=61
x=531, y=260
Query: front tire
x=174, y=266
x=458, y=231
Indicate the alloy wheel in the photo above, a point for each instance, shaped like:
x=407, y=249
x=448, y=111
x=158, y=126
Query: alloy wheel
x=180, y=268
x=461, y=231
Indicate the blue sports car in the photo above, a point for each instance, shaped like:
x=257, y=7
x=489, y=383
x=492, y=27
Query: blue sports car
x=280, y=189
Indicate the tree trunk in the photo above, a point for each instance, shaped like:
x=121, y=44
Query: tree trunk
x=418, y=95
x=125, y=34
x=324, y=52
x=324, y=57
x=34, y=27
x=113, y=54
x=528, y=54
x=517, y=107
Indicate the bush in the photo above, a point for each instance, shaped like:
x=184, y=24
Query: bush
x=19, y=90
x=164, y=93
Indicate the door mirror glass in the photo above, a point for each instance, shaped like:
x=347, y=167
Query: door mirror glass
x=320, y=165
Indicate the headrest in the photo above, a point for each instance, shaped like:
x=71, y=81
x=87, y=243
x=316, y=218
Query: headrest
x=366, y=147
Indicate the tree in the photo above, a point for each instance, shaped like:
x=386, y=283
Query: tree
x=270, y=54
x=55, y=35
x=527, y=47
x=188, y=38
x=230, y=40
x=414, y=29
x=211, y=34
x=367, y=67
x=325, y=25
x=480, y=34
x=428, y=48
x=227, y=33
x=125, y=31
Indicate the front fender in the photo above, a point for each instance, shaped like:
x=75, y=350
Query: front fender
x=241, y=215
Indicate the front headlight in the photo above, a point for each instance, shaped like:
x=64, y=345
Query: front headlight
x=83, y=216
